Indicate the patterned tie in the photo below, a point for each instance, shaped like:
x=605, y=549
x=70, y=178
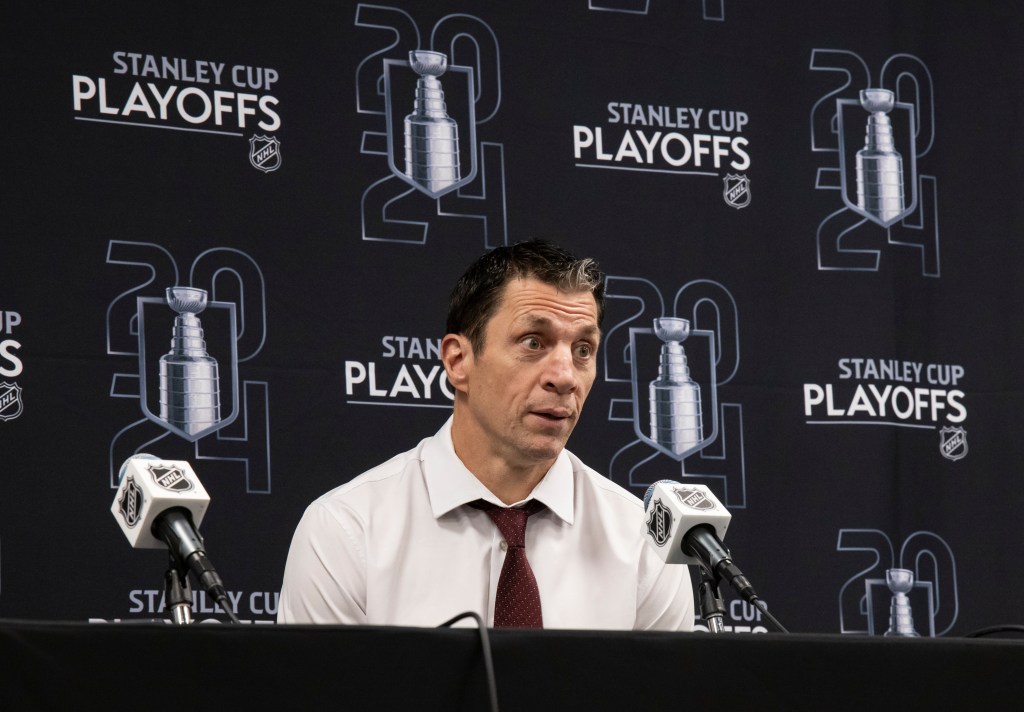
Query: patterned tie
x=517, y=602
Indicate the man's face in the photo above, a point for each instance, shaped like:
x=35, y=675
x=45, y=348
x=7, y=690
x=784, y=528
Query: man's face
x=526, y=387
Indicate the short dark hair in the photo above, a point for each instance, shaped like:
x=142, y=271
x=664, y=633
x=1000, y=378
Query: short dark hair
x=478, y=291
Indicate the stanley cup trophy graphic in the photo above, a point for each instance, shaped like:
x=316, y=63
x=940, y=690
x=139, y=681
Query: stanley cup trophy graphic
x=189, y=385
x=901, y=620
x=676, y=422
x=879, y=165
x=431, y=136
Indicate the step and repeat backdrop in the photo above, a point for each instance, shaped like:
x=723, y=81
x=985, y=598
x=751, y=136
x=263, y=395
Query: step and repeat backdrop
x=828, y=193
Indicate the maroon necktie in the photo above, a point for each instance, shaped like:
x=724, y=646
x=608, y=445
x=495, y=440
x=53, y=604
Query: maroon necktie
x=517, y=601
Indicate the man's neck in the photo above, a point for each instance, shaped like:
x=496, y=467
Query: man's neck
x=509, y=481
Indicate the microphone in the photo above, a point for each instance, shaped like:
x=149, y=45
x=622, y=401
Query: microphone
x=162, y=503
x=686, y=525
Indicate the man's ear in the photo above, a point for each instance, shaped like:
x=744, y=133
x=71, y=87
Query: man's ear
x=457, y=357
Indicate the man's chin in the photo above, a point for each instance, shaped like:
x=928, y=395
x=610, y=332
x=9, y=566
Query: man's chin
x=543, y=449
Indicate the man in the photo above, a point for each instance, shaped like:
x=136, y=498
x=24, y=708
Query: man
x=411, y=542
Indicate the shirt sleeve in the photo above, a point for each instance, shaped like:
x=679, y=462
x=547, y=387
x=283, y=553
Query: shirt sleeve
x=325, y=574
x=664, y=595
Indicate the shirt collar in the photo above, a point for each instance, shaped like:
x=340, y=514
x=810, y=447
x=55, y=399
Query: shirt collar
x=450, y=484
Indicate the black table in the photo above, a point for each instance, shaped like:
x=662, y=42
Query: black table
x=152, y=666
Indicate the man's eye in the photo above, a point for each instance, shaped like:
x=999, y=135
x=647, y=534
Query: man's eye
x=584, y=350
x=532, y=342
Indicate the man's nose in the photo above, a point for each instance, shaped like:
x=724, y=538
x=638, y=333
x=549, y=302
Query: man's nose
x=560, y=371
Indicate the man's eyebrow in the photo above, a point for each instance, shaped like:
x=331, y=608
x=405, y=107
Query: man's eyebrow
x=537, y=321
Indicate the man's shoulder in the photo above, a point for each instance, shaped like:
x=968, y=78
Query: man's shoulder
x=601, y=487
x=391, y=474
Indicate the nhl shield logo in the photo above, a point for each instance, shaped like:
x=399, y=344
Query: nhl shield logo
x=953, y=443
x=130, y=502
x=170, y=478
x=694, y=498
x=736, y=191
x=10, y=401
x=659, y=524
x=265, y=153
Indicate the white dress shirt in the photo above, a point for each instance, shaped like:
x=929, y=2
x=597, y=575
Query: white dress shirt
x=398, y=546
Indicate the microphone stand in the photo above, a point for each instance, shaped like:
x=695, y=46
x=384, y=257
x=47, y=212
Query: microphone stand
x=177, y=592
x=712, y=607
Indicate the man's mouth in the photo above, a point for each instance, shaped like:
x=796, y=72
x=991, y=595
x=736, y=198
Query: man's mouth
x=553, y=415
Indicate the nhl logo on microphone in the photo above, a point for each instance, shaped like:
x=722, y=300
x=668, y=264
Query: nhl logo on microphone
x=150, y=486
x=659, y=524
x=674, y=510
x=694, y=498
x=129, y=504
x=170, y=478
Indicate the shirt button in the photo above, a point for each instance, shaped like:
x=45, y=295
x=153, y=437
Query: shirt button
x=504, y=545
